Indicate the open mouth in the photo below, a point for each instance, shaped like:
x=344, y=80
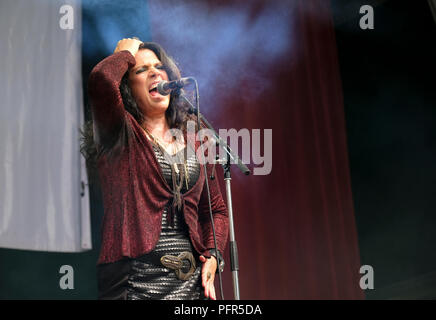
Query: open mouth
x=153, y=90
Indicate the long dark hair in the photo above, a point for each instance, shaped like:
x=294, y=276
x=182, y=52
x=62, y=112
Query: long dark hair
x=177, y=113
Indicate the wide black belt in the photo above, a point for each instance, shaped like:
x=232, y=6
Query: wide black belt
x=184, y=264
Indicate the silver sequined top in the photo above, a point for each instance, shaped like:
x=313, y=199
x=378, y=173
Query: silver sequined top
x=149, y=281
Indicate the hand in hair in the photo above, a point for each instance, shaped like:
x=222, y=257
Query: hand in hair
x=129, y=44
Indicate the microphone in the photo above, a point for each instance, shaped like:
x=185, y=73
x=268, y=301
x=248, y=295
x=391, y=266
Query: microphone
x=165, y=87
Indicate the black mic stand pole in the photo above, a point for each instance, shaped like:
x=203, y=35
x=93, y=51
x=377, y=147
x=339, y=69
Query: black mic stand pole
x=231, y=156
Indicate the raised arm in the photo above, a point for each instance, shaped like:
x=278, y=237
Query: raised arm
x=104, y=93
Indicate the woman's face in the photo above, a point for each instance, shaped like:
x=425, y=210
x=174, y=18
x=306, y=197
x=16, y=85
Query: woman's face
x=143, y=79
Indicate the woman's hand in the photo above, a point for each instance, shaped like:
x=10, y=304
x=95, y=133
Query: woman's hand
x=129, y=44
x=208, y=276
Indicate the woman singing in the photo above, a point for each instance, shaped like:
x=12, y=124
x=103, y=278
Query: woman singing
x=157, y=240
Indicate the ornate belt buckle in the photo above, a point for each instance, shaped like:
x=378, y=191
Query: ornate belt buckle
x=171, y=262
x=176, y=263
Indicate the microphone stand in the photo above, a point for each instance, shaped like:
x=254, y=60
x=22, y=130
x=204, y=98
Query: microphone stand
x=231, y=156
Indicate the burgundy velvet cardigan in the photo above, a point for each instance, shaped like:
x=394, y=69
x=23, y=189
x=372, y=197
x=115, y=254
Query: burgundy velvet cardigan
x=133, y=187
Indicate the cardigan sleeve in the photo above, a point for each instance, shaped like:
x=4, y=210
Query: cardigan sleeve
x=219, y=212
x=106, y=103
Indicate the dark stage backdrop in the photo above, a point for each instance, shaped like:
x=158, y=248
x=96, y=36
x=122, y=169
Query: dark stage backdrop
x=390, y=99
x=295, y=227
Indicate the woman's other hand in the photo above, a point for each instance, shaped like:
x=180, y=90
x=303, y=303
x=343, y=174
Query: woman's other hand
x=208, y=276
x=129, y=44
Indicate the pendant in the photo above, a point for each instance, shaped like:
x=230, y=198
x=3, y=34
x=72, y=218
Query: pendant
x=176, y=168
x=186, y=176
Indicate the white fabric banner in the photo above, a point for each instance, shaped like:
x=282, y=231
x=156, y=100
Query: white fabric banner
x=44, y=199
